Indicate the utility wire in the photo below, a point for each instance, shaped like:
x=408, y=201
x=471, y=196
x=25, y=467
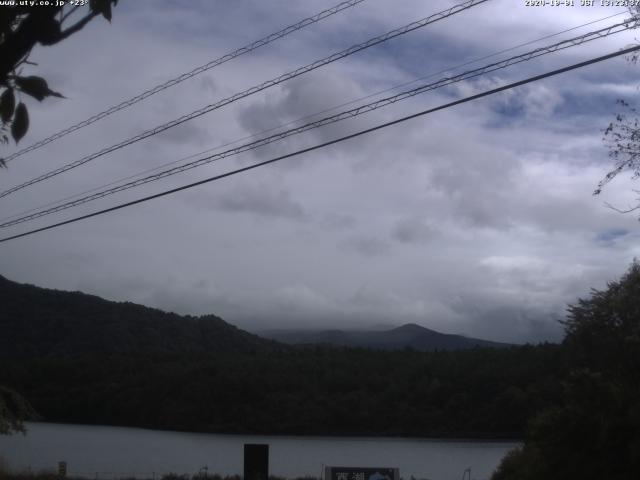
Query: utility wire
x=590, y=36
x=282, y=78
x=185, y=76
x=306, y=117
x=331, y=142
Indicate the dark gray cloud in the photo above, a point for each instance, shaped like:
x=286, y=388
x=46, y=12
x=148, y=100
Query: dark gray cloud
x=185, y=133
x=413, y=230
x=260, y=199
x=367, y=246
x=339, y=221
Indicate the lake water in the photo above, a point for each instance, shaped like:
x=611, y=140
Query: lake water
x=109, y=452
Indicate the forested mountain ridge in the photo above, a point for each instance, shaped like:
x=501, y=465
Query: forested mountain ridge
x=577, y=401
x=406, y=336
x=80, y=358
x=42, y=323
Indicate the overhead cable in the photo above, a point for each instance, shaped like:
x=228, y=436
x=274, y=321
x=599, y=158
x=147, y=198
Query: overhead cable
x=306, y=117
x=280, y=79
x=330, y=142
x=470, y=74
x=185, y=76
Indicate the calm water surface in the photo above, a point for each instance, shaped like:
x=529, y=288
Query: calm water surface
x=106, y=452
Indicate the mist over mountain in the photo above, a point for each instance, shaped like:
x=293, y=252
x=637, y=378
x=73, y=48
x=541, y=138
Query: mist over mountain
x=406, y=336
x=38, y=323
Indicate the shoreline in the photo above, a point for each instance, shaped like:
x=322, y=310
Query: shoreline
x=325, y=436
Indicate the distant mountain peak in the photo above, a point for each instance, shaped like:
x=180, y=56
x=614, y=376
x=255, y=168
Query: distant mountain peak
x=412, y=327
x=410, y=335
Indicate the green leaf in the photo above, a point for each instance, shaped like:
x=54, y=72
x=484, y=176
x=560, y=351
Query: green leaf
x=7, y=105
x=36, y=87
x=20, y=123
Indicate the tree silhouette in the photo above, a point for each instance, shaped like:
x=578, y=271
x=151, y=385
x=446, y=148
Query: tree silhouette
x=622, y=138
x=21, y=29
x=595, y=432
x=14, y=409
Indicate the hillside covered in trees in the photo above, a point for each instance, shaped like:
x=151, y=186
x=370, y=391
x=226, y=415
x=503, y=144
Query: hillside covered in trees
x=79, y=358
x=576, y=404
x=43, y=323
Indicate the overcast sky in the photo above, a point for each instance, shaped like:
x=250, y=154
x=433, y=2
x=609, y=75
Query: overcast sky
x=478, y=219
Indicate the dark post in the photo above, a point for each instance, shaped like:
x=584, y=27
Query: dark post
x=62, y=470
x=256, y=461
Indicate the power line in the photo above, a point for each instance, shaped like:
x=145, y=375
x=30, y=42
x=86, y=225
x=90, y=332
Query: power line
x=341, y=116
x=282, y=78
x=332, y=142
x=306, y=117
x=527, y=56
x=185, y=76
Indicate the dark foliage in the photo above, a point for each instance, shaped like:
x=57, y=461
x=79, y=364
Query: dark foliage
x=594, y=432
x=316, y=390
x=14, y=409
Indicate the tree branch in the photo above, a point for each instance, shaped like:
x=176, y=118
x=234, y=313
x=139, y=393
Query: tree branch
x=76, y=27
x=619, y=210
x=18, y=44
x=69, y=13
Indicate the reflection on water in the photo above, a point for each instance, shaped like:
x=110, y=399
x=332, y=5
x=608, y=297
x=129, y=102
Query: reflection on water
x=107, y=450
